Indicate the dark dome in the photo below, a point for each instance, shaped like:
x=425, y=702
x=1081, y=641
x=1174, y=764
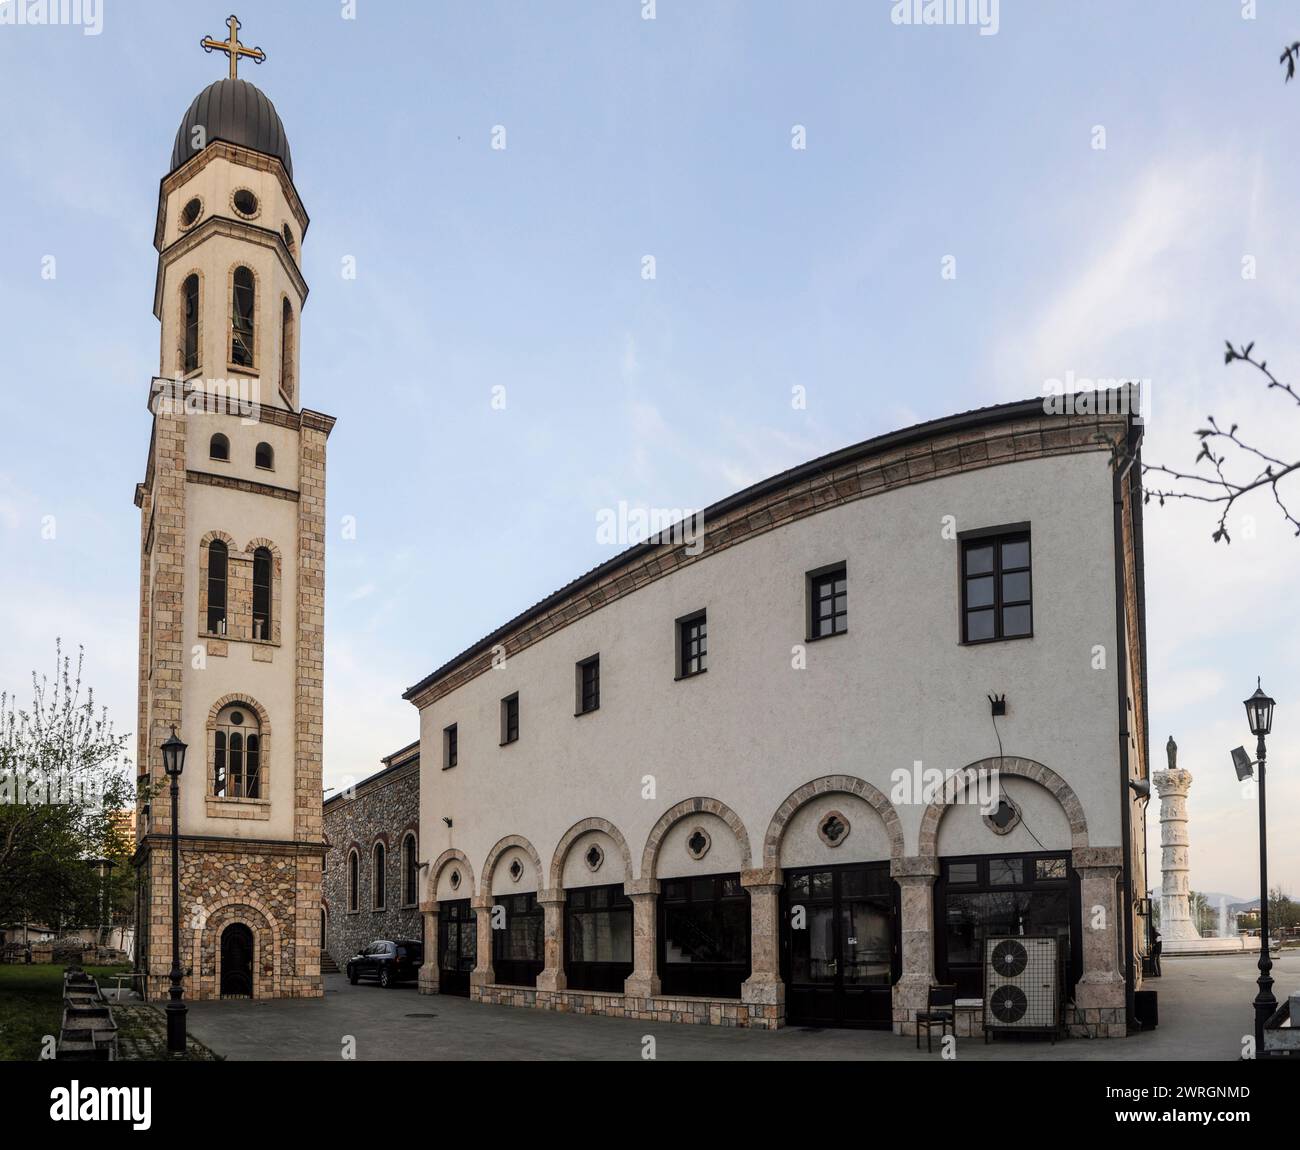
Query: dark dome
x=237, y=112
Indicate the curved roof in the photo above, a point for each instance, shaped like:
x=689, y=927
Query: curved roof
x=237, y=112
x=968, y=421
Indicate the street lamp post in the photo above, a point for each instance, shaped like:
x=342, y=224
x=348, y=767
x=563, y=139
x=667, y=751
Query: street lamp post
x=1259, y=713
x=173, y=752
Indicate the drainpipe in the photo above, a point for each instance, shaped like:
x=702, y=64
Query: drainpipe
x=1117, y=491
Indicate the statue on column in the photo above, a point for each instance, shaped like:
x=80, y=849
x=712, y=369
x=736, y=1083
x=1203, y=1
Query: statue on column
x=1175, y=910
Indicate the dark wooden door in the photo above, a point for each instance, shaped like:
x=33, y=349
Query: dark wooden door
x=457, y=947
x=237, y=961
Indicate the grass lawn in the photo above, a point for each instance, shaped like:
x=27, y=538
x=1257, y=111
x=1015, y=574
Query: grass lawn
x=31, y=1005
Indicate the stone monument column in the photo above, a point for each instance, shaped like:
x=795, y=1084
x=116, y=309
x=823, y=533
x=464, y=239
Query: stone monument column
x=1175, y=913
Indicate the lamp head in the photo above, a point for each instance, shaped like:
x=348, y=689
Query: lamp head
x=173, y=753
x=1259, y=711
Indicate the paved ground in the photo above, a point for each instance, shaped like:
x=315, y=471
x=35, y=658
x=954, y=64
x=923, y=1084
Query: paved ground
x=1204, y=1013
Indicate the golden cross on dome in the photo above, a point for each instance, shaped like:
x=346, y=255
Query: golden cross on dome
x=232, y=47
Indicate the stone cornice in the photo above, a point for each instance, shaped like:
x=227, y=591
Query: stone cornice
x=206, y=478
x=219, y=225
x=1012, y=433
x=223, y=150
x=216, y=844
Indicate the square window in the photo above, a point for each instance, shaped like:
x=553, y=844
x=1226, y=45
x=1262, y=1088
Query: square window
x=963, y=873
x=510, y=719
x=828, y=602
x=1006, y=871
x=588, y=685
x=996, y=587
x=692, y=645
x=1046, y=870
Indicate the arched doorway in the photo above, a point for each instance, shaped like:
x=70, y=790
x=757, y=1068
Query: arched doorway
x=236, y=961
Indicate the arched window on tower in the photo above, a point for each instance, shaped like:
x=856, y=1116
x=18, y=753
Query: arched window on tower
x=262, y=562
x=354, y=868
x=264, y=456
x=237, y=753
x=190, y=292
x=408, y=869
x=241, y=319
x=286, y=350
x=378, y=883
x=219, y=448
x=218, y=560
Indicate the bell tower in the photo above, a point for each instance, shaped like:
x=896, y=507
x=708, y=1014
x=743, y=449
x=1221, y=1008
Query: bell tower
x=232, y=549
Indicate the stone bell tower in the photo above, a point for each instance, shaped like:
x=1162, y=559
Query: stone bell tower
x=232, y=549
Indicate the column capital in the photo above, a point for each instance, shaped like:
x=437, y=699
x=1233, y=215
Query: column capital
x=761, y=877
x=1083, y=858
x=914, y=866
x=551, y=896
x=634, y=887
x=429, y=906
x=482, y=902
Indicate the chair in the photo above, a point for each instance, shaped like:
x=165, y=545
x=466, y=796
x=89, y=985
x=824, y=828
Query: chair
x=940, y=1010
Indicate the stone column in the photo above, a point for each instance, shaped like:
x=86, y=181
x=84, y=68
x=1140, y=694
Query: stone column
x=483, y=974
x=764, y=988
x=915, y=875
x=552, y=975
x=1100, y=1009
x=428, y=982
x=643, y=982
x=1175, y=911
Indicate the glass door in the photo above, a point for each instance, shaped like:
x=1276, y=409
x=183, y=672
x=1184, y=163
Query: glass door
x=840, y=945
x=457, y=947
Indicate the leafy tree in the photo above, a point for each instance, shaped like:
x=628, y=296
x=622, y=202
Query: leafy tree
x=64, y=781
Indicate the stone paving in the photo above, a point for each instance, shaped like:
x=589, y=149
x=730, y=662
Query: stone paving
x=1205, y=1010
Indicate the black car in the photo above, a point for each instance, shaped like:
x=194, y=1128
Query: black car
x=388, y=961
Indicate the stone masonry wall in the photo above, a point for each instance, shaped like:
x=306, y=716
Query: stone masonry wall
x=381, y=809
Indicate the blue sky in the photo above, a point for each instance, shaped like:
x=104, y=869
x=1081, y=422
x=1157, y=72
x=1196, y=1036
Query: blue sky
x=775, y=267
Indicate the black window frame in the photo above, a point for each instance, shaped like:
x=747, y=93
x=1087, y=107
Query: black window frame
x=509, y=971
x=450, y=747
x=190, y=289
x=379, y=876
x=598, y=976
x=708, y=979
x=969, y=976
x=816, y=584
x=410, y=869
x=263, y=574
x=510, y=719
x=218, y=587
x=692, y=644
x=997, y=538
x=243, y=318
x=587, y=685
x=219, y=448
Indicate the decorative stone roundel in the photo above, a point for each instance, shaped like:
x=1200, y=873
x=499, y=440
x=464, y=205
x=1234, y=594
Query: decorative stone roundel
x=593, y=857
x=833, y=828
x=244, y=203
x=236, y=718
x=455, y=880
x=698, y=843
x=516, y=870
x=1005, y=817
x=191, y=212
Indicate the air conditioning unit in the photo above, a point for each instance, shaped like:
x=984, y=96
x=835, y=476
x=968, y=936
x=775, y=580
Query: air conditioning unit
x=1021, y=991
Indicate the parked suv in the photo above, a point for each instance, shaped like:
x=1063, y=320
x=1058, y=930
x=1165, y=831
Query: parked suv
x=388, y=961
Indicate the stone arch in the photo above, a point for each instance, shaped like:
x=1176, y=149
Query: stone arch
x=264, y=743
x=650, y=856
x=832, y=784
x=504, y=845
x=248, y=701
x=253, y=912
x=452, y=855
x=574, y=833
x=277, y=569
x=180, y=317
x=1045, y=777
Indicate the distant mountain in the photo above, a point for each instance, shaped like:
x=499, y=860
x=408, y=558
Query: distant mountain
x=1214, y=898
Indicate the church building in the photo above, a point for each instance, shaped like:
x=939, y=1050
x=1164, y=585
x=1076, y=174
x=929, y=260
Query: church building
x=798, y=768
x=232, y=542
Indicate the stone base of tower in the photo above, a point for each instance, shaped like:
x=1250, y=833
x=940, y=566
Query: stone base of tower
x=250, y=918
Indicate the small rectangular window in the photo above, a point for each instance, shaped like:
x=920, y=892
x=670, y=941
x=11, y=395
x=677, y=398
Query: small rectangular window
x=449, y=748
x=828, y=602
x=692, y=645
x=997, y=598
x=588, y=685
x=510, y=719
